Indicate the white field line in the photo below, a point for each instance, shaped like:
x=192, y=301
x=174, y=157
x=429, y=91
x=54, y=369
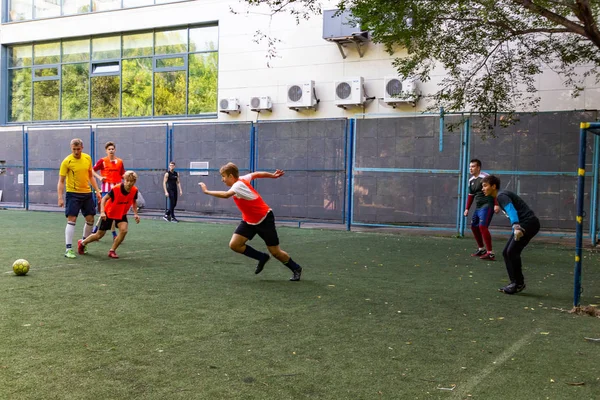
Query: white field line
x=472, y=383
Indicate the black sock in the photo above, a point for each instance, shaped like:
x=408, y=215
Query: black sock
x=253, y=253
x=291, y=264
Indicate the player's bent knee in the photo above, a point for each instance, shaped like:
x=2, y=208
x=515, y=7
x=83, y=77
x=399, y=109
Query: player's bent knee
x=236, y=247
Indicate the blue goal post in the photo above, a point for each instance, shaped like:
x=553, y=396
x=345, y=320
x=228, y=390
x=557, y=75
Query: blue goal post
x=584, y=128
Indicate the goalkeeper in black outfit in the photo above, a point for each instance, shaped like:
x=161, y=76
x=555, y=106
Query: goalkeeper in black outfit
x=525, y=226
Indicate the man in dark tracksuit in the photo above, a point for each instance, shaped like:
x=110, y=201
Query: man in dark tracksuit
x=525, y=226
x=170, y=185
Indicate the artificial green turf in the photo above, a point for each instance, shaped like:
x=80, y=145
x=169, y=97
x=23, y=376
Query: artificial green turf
x=180, y=316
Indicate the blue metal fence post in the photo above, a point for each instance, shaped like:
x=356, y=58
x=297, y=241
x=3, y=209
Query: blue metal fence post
x=168, y=156
x=441, y=129
x=464, y=174
x=594, y=199
x=93, y=145
x=170, y=135
x=93, y=155
x=350, y=171
x=26, y=168
x=579, y=227
x=253, y=146
x=345, y=167
x=459, y=212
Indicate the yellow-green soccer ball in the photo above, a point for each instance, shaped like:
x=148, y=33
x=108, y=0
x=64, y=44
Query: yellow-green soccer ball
x=21, y=267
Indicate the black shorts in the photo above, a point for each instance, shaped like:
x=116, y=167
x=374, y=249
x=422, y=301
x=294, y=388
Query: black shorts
x=266, y=230
x=106, y=224
x=76, y=202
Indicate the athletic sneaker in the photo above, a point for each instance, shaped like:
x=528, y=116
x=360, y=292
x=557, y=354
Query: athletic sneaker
x=512, y=288
x=70, y=253
x=112, y=254
x=81, y=248
x=174, y=220
x=167, y=218
x=296, y=276
x=479, y=253
x=488, y=256
x=261, y=264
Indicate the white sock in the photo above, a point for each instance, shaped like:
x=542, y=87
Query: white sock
x=87, y=230
x=69, y=232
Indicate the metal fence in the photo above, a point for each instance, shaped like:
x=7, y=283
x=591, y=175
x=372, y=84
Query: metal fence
x=408, y=171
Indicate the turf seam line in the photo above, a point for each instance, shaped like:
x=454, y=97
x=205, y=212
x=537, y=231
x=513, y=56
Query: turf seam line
x=472, y=383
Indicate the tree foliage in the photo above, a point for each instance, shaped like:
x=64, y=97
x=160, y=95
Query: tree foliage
x=491, y=50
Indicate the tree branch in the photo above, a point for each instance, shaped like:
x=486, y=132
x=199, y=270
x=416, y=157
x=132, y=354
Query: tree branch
x=551, y=16
x=584, y=13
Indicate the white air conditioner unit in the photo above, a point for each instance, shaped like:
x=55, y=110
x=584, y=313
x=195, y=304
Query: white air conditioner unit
x=229, y=105
x=302, y=95
x=262, y=103
x=396, y=90
x=349, y=92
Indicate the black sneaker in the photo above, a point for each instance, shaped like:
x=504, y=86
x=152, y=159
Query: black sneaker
x=261, y=264
x=297, y=274
x=167, y=218
x=512, y=288
x=174, y=220
x=479, y=253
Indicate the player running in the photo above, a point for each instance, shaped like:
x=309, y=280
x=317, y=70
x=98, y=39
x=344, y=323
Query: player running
x=257, y=218
x=111, y=173
x=113, y=211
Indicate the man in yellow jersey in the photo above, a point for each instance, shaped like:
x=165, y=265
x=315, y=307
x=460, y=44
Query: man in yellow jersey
x=76, y=174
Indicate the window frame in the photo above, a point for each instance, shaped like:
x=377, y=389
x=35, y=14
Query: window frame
x=118, y=72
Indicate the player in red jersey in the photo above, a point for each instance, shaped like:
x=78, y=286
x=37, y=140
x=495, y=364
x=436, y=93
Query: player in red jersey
x=111, y=173
x=114, y=208
x=257, y=218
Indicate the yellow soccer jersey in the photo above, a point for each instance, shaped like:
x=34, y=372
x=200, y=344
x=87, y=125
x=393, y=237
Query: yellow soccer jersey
x=78, y=173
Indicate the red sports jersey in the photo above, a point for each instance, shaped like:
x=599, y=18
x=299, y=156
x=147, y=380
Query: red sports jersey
x=119, y=203
x=111, y=170
x=253, y=210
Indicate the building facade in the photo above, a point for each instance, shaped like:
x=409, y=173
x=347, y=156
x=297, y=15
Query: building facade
x=73, y=61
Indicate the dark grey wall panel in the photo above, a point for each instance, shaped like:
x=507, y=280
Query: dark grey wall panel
x=47, y=148
x=538, y=143
x=143, y=149
x=313, y=155
x=217, y=144
x=11, y=152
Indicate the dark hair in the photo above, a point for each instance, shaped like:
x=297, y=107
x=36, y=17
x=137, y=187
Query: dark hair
x=172, y=162
x=476, y=161
x=492, y=180
x=108, y=144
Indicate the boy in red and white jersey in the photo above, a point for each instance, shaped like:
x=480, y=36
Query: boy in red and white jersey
x=257, y=218
x=111, y=174
x=114, y=208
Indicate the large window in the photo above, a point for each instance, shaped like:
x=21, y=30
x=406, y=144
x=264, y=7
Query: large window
x=161, y=73
x=19, y=10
